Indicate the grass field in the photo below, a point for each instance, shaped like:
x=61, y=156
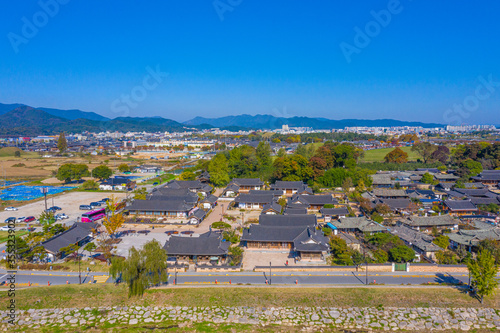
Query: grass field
x=110, y=295
x=377, y=155
x=4, y=235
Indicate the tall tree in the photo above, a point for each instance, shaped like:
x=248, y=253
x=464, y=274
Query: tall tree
x=114, y=220
x=424, y=149
x=483, y=271
x=218, y=170
x=142, y=269
x=62, y=143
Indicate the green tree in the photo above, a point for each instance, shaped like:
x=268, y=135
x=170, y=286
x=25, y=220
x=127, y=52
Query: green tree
x=396, y=156
x=263, y=153
x=424, y=149
x=446, y=257
x=70, y=171
x=427, y=178
x=90, y=247
x=380, y=256
x=62, y=143
x=102, y=172
x=219, y=170
x=442, y=241
x=401, y=253
x=236, y=254
x=142, y=269
x=187, y=175
x=483, y=271
x=221, y=225
x=46, y=217
x=17, y=153
x=341, y=253
x=124, y=167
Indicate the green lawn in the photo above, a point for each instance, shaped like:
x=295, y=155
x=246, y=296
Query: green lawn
x=67, y=296
x=4, y=235
x=377, y=155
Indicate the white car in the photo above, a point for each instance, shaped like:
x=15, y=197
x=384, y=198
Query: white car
x=61, y=216
x=4, y=228
x=20, y=219
x=10, y=208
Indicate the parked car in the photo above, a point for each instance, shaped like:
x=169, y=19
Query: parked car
x=50, y=210
x=10, y=219
x=189, y=232
x=4, y=228
x=31, y=229
x=10, y=208
x=61, y=216
x=55, y=208
x=29, y=219
x=105, y=199
x=95, y=204
x=85, y=207
x=20, y=219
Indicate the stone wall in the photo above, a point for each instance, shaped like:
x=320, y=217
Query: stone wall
x=314, y=318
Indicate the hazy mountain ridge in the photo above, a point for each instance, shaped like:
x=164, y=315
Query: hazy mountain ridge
x=272, y=122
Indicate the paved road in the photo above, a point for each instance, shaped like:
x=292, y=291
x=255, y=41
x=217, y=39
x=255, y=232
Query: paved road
x=279, y=278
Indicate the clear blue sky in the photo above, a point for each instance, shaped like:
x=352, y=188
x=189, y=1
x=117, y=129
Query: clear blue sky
x=269, y=57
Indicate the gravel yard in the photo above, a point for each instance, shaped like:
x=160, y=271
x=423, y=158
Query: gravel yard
x=69, y=202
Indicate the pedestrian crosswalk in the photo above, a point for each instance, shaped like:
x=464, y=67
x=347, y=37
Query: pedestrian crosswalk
x=101, y=278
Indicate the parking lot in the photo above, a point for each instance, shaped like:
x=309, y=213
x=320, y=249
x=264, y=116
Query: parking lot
x=69, y=203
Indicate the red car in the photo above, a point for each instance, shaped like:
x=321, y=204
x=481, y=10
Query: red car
x=29, y=219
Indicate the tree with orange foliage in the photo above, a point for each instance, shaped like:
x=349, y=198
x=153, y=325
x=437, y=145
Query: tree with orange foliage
x=396, y=156
x=113, y=221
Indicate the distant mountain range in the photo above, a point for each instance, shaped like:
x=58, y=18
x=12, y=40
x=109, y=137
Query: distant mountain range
x=20, y=119
x=66, y=114
x=25, y=120
x=261, y=121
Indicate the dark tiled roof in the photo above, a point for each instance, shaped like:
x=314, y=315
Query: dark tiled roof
x=294, y=211
x=343, y=211
x=382, y=192
x=458, y=205
x=185, y=184
x=326, y=199
x=362, y=224
x=311, y=240
x=288, y=220
x=274, y=206
x=267, y=233
x=202, y=246
x=396, y=204
x=159, y=206
x=255, y=198
x=430, y=221
x=247, y=181
x=418, y=239
x=78, y=232
x=210, y=198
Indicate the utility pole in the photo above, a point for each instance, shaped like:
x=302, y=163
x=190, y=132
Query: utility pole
x=270, y=273
x=79, y=270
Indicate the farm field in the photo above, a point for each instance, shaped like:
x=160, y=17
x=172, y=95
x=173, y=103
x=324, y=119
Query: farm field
x=377, y=155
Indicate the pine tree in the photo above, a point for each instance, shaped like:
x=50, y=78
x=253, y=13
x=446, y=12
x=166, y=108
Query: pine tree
x=62, y=143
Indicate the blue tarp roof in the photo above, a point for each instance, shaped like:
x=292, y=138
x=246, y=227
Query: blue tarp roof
x=331, y=226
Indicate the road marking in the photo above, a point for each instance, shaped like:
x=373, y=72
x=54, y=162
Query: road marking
x=101, y=278
x=1, y=277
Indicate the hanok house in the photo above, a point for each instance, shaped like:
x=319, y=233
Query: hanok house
x=160, y=208
x=272, y=208
x=230, y=191
x=79, y=233
x=477, y=196
x=427, y=223
x=290, y=188
x=307, y=242
x=254, y=200
x=314, y=202
x=470, y=239
x=204, y=177
x=247, y=184
x=117, y=184
x=355, y=225
x=192, y=185
x=396, y=205
x=208, y=202
x=170, y=194
x=382, y=181
x=460, y=207
x=288, y=220
x=420, y=242
x=488, y=177
x=329, y=214
x=208, y=248
x=383, y=193
x=293, y=210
